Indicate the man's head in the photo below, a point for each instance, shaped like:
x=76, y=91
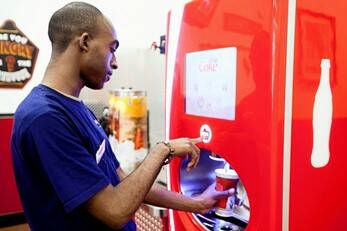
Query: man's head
x=83, y=28
x=71, y=21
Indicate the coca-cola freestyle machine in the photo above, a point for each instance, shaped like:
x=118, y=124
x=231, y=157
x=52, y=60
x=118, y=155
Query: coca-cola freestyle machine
x=263, y=82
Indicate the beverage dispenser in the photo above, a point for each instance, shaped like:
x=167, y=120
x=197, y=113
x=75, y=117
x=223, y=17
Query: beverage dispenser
x=128, y=126
x=244, y=75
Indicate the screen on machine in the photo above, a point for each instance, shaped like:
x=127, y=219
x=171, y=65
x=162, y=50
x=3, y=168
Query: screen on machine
x=210, y=83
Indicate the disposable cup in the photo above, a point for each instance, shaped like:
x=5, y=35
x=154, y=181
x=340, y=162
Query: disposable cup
x=225, y=180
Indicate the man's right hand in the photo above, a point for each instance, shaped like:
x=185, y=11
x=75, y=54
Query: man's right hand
x=187, y=147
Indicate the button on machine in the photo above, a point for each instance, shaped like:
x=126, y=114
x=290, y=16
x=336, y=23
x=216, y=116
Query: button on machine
x=206, y=133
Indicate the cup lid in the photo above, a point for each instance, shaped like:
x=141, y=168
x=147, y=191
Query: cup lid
x=226, y=173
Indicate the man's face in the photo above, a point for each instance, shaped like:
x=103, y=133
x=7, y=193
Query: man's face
x=99, y=61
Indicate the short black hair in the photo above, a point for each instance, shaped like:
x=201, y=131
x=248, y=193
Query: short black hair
x=70, y=21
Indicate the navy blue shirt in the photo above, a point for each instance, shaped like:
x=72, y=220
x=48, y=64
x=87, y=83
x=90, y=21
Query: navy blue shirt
x=62, y=158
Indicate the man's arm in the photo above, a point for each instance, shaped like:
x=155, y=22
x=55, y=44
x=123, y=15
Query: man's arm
x=160, y=196
x=115, y=206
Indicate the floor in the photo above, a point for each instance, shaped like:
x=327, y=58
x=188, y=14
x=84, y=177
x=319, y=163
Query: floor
x=23, y=227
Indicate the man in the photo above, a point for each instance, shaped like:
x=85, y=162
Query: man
x=66, y=172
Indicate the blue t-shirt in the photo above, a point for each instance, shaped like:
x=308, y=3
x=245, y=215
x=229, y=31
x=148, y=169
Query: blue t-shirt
x=61, y=158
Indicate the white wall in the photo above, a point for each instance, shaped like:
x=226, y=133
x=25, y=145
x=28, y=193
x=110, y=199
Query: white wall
x=138, y=23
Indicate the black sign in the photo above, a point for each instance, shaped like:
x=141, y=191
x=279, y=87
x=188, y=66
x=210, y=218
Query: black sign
x=17, y=56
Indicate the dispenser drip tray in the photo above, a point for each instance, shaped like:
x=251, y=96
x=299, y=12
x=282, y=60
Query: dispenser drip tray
x=214, y=222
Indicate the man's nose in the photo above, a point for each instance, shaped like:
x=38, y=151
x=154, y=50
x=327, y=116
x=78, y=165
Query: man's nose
x=114, y=64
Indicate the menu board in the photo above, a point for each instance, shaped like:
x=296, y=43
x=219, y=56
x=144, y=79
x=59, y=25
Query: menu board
x=210, y=83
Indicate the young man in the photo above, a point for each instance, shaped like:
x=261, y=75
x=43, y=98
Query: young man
x=66, y=172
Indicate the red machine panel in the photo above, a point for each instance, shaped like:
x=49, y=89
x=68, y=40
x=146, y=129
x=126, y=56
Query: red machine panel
x=251, y=140
x=278, y=118
x=317, y=194
x=9, y=198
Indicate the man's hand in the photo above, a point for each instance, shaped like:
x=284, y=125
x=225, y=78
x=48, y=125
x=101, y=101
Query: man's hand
x=186, y=146
x=209, y=198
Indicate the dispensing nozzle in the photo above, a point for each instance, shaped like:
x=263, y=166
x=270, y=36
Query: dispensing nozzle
x=214, y=156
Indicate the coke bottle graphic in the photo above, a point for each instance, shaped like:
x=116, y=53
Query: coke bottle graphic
x=321, y=118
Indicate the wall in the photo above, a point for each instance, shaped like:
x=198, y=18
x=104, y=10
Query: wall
x=138, y=24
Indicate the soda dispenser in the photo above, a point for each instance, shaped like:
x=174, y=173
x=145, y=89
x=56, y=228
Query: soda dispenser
x=128, y=126
x=263, y=83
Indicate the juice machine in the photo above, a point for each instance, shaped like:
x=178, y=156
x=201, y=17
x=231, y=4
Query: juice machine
x=263, y=83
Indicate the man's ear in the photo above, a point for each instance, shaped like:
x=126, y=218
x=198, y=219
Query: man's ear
x=84, y=42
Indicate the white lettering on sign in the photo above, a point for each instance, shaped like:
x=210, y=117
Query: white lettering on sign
x=16, y=76
x=18, y=39
x=24, y=63
x=4, y=36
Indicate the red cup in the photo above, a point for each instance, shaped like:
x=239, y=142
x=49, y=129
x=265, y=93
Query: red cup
x=225, y=180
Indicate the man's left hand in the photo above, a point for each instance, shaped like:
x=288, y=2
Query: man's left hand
x=209, y=198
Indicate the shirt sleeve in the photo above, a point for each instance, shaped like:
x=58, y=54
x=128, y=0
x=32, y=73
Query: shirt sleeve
x=113, y=156
x=68, y=165
x=108, y=145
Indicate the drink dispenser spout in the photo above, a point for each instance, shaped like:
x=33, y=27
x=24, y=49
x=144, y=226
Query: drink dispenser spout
x=215, y=157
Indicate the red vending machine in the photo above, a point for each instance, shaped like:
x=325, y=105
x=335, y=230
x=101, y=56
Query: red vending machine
x=263, y=83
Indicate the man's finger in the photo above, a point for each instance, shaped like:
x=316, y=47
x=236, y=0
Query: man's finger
x=231, y=191
x=197, y=161
x=193, y=160
x=195, y=148
x=196, y=140
x=226, y=193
